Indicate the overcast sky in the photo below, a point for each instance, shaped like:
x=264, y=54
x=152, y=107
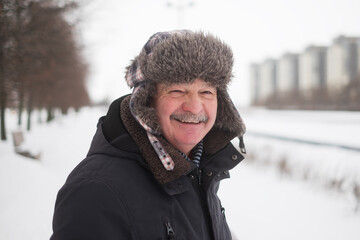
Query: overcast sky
x=114, y=31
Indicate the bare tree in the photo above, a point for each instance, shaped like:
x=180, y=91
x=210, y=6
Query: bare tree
x=5, y=23
x=40, y=60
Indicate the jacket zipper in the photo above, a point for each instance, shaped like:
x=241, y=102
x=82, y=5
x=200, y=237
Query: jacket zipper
x=203, y=201
x=169, y=231
x=199, y=177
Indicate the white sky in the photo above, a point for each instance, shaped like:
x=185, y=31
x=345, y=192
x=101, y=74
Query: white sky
x=114, y=32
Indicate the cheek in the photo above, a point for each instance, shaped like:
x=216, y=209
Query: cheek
x=163, y=111
x=212, y=110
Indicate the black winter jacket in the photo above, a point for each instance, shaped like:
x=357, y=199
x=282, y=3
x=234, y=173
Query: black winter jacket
x=114, y=193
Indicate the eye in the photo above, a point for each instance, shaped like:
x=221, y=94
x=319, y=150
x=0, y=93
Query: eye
x=176, y=92
x=208, y=94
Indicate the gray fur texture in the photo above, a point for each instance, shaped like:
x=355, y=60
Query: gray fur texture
x=185, y=57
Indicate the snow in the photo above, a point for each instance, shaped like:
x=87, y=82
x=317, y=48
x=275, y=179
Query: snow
x=311, y=196
x=326, y=164
x=265, y=206
x=261, y=201
x=334, y=127
x=29, y=187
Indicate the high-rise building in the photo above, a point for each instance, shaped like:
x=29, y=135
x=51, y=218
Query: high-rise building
x=267, y=79
x=255, y=83
x=312, y=69
x=342, y=62
x=287, y=73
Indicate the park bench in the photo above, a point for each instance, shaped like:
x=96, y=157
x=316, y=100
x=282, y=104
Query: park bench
x=18, y=138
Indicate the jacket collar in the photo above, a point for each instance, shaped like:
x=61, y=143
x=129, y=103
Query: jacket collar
x=138, y=134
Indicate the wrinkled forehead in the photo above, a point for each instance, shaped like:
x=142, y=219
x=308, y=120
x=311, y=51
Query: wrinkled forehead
x=200, y=83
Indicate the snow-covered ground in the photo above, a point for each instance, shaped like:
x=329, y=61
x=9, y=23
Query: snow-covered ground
x=328, y=162
x=28, y=188
x=260, y=203
x=292, y=190
x=332, y=127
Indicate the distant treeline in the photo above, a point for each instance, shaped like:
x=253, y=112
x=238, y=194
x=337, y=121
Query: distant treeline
x=41, y=66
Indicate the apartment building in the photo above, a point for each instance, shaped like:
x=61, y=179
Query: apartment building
x=312, y=69
x=267, y=79
x=255, y=83
x=342, y=62
x=288, y=73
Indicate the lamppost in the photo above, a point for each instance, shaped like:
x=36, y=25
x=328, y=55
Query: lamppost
x=180, y=6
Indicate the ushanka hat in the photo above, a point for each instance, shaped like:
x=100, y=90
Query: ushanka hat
x=181, y=57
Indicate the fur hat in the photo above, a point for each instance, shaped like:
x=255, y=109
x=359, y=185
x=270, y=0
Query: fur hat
x=181, y=57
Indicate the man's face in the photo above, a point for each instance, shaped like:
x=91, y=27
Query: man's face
x=186, y=112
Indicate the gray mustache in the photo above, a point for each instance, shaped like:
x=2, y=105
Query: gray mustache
x=189, y=117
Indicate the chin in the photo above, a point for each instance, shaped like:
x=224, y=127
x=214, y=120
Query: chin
x=189, y=142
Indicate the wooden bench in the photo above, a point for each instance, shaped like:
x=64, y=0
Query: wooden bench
x=18, y=139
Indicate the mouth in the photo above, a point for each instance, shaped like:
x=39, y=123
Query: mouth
x=189, y=121
x=189, y=118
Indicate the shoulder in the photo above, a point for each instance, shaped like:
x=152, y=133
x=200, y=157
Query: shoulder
x=87, y=208
x=108, y=169
x=83, y=192
x=111, y=176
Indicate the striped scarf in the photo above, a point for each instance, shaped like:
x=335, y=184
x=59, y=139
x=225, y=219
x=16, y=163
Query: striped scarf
x=196, y=153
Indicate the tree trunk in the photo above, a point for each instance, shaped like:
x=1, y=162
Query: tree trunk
x=21, y=105
x=64, y=111
x=3, y=95
x=2, y=116
x=29, y=111
x=50, y=114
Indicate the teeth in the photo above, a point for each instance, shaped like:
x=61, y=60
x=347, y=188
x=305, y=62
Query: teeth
x=189, y=121
x=189, y=118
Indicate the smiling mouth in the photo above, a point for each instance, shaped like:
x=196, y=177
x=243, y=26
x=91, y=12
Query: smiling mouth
x=189, y=118
x=189, y=122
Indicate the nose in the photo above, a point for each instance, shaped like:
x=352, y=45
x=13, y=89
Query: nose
x=193, y=104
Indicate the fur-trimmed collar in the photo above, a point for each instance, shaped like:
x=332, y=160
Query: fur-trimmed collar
x=213, y=142
x=182, y=166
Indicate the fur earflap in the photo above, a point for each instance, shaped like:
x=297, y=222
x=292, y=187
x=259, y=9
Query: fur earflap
x=142, y=107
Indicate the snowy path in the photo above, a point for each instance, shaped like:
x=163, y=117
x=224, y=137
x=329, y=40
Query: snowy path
x=259, y=204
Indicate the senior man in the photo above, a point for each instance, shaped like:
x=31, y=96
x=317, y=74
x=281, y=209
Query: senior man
x=156, y=160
